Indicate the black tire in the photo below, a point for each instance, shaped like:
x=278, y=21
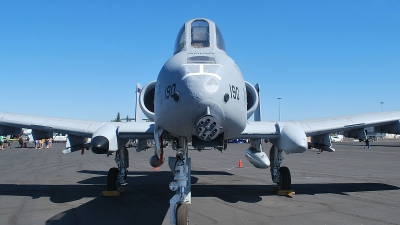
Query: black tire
x=182, y=214
x=112, y=179
x=286, y=182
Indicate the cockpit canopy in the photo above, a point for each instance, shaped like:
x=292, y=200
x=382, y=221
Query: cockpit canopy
x=202, y=34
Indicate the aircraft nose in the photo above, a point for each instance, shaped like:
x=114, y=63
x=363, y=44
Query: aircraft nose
x=205, y=75
x=205, y=84
x=211, y=84
x=208, y=115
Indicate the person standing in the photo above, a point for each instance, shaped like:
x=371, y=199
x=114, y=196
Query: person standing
x=367, y=144
x=37, y=144
x=46, y=142
x=21, y=141
x=8, y=141
x=1, y=142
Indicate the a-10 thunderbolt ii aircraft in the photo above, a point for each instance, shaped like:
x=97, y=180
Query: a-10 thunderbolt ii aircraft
x=200, y=96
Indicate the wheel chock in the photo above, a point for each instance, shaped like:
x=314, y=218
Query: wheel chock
x=110, y=193
x=289, y=193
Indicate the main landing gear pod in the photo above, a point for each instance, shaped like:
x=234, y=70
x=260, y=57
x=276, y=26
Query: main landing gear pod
x=292, y=140
x=117, y=176
x=280, y=175
x=105, y=141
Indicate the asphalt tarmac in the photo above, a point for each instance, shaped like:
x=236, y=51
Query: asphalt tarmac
x=351, y=186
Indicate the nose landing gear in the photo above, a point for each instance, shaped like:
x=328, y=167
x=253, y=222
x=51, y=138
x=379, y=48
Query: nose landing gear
x=180, y=167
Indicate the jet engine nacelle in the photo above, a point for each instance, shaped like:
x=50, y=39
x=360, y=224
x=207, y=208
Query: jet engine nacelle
x=292, y=138
x=147, y=100
x=252, y=99
x=104, y=139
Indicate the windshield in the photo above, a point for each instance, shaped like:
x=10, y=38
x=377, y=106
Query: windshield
x=180, y=40
x=220, y=39
x=200, y=34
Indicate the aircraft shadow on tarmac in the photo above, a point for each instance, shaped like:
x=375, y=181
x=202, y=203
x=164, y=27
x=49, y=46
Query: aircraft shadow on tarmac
x=383, y=145
x=146, y=200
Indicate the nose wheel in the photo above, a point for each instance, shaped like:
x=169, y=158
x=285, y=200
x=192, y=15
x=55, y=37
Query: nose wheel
x=182, y=217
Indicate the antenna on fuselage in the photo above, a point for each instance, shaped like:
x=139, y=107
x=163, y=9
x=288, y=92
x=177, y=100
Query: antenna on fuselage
x=138, y=112
x=257, y=113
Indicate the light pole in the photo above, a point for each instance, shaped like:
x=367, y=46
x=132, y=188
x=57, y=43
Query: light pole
x=279, y=100
x=382, y=106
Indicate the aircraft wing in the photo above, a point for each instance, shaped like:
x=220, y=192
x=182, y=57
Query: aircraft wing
x=291, y=135
x=10, y=122
x=49, y=124
x=348, y=123
x=271, y=129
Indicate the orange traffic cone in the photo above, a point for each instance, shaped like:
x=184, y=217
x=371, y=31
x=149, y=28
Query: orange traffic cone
x=240, y=163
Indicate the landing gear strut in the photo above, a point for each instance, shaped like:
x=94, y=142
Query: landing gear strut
x=117, y=176
x=280, y=175
x=180, y=167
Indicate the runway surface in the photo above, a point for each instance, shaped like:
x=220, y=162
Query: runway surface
x=351, y=186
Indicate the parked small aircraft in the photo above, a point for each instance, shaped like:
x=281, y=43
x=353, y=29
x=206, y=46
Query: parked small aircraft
x=200, y=96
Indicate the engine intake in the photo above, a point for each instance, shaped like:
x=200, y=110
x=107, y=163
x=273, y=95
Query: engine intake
x=252, y=99
x=147, y=100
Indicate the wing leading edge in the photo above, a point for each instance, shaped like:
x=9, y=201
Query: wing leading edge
x=81, y=128
x=50, y=124
x=271, y=129
x=291, y=136
x=348, y=123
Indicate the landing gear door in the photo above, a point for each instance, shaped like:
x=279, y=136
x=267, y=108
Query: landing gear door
x=141, y=145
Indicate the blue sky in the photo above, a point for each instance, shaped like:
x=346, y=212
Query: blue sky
x=82, y=59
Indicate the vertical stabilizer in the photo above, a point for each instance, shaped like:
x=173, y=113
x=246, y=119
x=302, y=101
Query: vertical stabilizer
x=257, y=113
x=138, y=112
